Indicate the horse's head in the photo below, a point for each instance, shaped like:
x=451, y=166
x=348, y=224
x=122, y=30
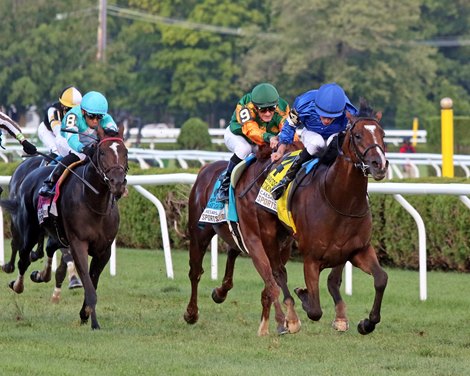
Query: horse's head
x=111, y=162
x=364, y=143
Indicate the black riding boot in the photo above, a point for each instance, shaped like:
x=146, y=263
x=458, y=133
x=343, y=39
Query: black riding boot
x=278, y=190
x=222, y=193
x=47, y=190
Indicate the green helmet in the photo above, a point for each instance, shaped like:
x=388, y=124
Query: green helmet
x=264, y=95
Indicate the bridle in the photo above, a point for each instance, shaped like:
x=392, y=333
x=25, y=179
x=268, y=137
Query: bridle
x=362, y=165
x=99, y=167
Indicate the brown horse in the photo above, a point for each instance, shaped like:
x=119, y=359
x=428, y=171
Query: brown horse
x=88, y=219
x=270, y=266
x=336, y=229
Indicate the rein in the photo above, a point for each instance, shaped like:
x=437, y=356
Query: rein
x=323, y=191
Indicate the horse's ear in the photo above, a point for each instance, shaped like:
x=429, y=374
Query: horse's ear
x=349, y=116
x=378, y=116
x=121, y=130
x=100, y=132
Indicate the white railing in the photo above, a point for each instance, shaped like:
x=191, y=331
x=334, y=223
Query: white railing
x=395, y=189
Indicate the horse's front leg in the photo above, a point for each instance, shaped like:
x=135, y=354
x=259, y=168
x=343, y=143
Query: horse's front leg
x=310, y=296
x=219, y=294
x=278, y=253
x=340, y=322
x=367, y=261
x=270, y=293
x=79, y=251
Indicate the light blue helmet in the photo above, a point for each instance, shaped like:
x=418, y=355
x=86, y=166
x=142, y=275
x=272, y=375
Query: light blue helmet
x=94, y=103
x=330, y=100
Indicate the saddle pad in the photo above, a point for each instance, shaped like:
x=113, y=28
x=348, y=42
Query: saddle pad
x=215, y=211
x=281, y=206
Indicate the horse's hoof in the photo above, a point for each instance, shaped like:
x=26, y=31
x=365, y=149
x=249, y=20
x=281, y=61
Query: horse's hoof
x=340, y=325
x=365, y=327
x=216, y=298
x=75, y=283
x=34, y=256
x=8, y=268
x=36, y=277
x=12, y=286
x=191, y=318
x=55, y=299
x=293, y=327
x=282, y=330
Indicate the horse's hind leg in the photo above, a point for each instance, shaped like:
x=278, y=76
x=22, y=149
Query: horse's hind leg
x=219, y=294
x=60, y=274
x=340, y=322
x=46, y=274
x=9, y=267
x=198, y=243
x=367, y=261
x=278, y=257
x=39, y=252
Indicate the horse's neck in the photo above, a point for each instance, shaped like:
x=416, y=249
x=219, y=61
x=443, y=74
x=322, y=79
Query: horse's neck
x=98, y=203
x=345, y=185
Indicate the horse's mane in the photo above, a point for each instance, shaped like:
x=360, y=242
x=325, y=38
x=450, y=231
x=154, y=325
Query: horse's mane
x=365, y=110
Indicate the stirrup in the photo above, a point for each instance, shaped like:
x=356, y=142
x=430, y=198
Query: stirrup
x=222, y=194
x=278, y=190
x=47, y=191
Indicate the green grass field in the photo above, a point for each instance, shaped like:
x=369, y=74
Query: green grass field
x=143, y=332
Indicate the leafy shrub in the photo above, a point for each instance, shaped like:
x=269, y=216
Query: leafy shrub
x=194, y=135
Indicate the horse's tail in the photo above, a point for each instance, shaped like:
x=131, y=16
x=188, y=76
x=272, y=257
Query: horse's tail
x=10, y=206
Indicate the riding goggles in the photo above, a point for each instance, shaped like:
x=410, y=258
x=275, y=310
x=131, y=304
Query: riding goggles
x=266, y=109
x=94, y=116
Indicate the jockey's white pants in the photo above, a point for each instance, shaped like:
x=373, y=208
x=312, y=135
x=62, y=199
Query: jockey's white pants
x=238, y=144
x=314, y=141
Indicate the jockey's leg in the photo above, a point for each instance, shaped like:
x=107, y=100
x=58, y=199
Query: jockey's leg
x=47, y=189
x=222, y=193
x=278, y=190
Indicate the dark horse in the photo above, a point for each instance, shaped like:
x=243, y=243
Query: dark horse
x=23, y=169
x=331, y=212
x=88, y=221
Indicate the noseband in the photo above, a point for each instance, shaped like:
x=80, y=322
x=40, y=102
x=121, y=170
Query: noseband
x=362, y=165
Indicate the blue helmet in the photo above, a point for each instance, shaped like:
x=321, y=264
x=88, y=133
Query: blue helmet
x=94, y=103
x=330, y=100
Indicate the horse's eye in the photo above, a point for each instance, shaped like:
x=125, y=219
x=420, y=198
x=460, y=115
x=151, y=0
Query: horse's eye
x=357, y=136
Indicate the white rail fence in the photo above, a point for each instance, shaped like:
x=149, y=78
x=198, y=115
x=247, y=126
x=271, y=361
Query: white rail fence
x=148, y=157
x=395, y=189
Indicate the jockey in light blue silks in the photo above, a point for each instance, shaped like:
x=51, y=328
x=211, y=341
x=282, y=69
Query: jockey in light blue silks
x=83, y=120
x=322, y=112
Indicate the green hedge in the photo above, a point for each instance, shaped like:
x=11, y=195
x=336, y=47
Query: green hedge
x=395, y=233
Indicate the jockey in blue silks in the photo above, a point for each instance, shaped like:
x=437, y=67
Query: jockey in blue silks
x=322, y=113
x=83, y=120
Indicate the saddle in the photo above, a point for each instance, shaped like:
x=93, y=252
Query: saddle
x=47, y=206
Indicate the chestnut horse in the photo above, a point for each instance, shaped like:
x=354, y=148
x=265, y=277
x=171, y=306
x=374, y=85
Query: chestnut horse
x=249, y=215
x=88, y=220
x=337, y=229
